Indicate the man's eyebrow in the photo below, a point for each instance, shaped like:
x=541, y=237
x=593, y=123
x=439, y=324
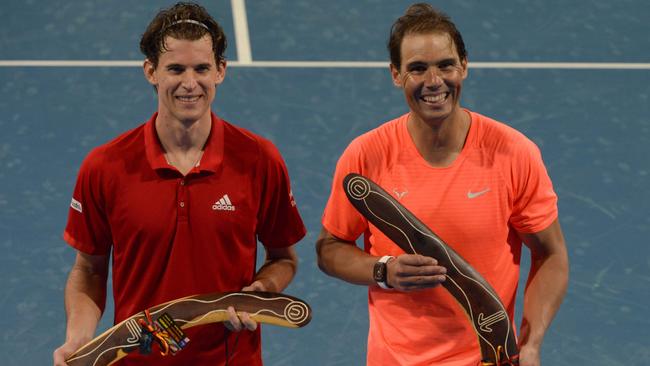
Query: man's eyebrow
x=450, y=60
x=416, y=63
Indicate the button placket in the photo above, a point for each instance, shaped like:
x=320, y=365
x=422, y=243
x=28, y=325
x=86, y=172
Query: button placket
x=182, y=199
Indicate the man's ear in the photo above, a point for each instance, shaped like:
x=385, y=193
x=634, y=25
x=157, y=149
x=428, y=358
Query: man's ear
x=397, y=78
x=221, y=71
x=464, y=64
x=150, y=72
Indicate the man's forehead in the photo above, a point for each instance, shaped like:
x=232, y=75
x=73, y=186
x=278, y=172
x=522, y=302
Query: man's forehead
x=182, y=48
x=441, y=39
x=172, y=42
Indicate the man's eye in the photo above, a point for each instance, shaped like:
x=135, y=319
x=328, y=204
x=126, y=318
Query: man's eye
x=447, y=66
x=417, y=69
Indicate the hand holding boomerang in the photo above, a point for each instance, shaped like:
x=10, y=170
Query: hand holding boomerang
x=473, y=293
x=409, y=272
x=127, y=336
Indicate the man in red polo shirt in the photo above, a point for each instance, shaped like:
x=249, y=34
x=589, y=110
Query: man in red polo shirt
x=180, y=201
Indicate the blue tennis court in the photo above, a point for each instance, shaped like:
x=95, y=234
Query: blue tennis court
x=310, y=76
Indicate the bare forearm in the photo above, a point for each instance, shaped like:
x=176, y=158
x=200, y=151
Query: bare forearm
x=275, y=275
x=344, y=260
x=546, y=285
x=85, y=298
x=544, y=293
x=278, y=270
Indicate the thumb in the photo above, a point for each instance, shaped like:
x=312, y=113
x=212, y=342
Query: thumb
x=255, y=286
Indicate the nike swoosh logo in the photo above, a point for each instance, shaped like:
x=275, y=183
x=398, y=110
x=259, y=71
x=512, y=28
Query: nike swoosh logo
x=471, y=194
x=485, y=322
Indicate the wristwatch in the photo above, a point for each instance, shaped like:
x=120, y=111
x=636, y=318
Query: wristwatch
x=380, y=273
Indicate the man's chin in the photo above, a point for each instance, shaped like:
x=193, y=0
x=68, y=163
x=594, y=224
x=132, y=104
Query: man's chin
x=189, y=118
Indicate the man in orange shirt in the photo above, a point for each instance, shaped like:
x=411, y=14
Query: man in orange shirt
x=479, y=184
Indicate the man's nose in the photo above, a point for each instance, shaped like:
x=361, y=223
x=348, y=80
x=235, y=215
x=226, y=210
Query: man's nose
x=433, y=77
x=189, y=81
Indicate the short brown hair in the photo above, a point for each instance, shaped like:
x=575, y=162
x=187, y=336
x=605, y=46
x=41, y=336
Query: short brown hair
x=188, y=21
x=422, y=18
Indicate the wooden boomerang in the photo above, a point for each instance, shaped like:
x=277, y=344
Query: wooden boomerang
x=187, y=312
x=480, y=302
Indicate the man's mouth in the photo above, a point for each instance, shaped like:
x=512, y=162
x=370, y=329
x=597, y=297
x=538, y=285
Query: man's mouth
x=435, y=99
x=188, y=98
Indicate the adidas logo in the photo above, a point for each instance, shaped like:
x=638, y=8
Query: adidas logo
x=223, y=204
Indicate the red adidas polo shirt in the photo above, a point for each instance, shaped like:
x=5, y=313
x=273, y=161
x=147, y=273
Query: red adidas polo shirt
x=173, y=235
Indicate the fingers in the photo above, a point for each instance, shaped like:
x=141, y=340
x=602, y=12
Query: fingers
x=255, y=286
x=248, y=322
x=58, y=358
x=529, y=356
x=60, y=354
x=412, y=272
x=416, y=260
x=236, y=322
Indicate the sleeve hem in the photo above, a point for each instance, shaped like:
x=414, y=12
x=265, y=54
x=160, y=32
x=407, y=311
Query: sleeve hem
x=76, y=244
x=339, y=234
x=539, y=227
x=293, y=240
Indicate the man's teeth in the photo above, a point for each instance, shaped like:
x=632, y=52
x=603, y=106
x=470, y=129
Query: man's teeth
x=188, y=98
x=434, y=98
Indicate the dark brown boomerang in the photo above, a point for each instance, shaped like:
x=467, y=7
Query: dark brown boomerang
x=187, y=312
x=480, y=302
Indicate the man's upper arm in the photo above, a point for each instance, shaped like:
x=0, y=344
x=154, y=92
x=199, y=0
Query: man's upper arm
x=273, y=253
x=546, y=242
x=93, y=265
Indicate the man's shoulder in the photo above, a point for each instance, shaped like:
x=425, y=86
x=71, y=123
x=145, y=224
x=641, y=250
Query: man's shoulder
x=381, y=141
x=385, y=133
x=243, y=141
x=237, y=134
x=376, y=150
x=130, y=142
x=494, y=134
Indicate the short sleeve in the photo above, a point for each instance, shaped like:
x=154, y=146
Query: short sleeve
x=340, y=218
x=87, y=229
x=279, y=222
x=535, y=201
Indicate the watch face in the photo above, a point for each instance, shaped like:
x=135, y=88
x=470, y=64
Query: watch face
x=380, y=272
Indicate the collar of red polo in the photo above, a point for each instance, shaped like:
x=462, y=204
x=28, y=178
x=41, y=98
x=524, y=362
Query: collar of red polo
x=212, y=151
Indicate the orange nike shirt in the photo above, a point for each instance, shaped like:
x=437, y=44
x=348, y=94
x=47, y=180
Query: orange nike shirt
x=496, y=187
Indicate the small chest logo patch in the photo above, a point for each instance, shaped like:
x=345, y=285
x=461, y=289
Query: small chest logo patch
x=76, y=205
x=400, y=194
x=472, y=195
x=223, y=204
x=291, y=199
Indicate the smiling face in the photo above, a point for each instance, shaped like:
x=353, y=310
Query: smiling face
x=186, y=79
x=431, y=75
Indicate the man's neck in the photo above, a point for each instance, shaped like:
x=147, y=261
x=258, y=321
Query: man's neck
x=183, y=141
x=440, y=142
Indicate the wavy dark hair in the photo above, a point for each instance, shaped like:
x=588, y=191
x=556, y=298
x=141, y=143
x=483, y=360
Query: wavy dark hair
x=422, y=18
x=166, y=23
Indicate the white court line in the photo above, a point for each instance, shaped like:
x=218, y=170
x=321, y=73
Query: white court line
x=336, y=64
x=242, y=39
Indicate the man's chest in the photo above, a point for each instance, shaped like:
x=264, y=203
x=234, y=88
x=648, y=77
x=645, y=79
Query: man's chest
x=213, y=205
x=464, y=206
